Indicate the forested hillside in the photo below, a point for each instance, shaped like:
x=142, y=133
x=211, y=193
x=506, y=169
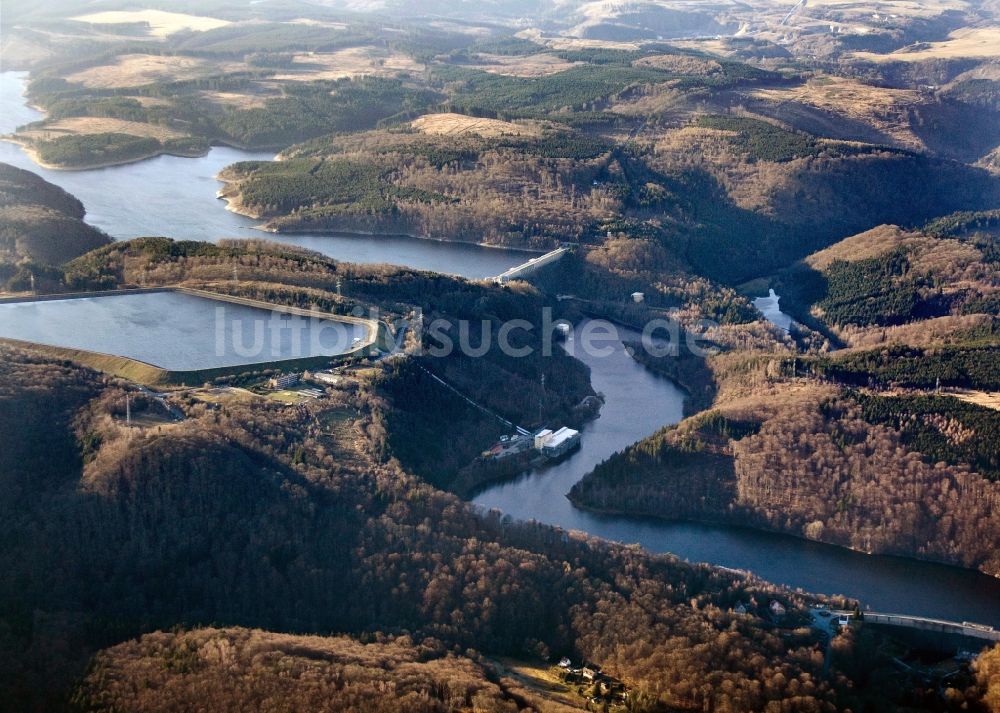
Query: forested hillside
x=309, y=520
x=524, y=190
x=722, y=195
x=988, y=670
x=908, y=474
x=885, y=446
x=266, y=517
x=40, y=226
x=430, y=430
x=238, y=547
x=889, y=276
x=243, y=669
x=736, y=161
x=763, y=197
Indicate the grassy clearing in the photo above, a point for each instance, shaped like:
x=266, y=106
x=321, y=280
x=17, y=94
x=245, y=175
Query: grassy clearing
x=287, y=396
x=863, y=246
x=237, y=100
x=575, y=43
x=318, y=23
x=977, y=42
x=292, y=396
x=134, y=70
x=535, y=65
x=84, y=125
x=459, y=125
x=542, y=684
x=149, y=419
x=349, y=63
x=225, y=395
x=161, y=23
x=986, y=399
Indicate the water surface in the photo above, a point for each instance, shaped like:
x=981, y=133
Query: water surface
x=176, y=197
x=638, y=403
x=770, y=307
x=174, y=330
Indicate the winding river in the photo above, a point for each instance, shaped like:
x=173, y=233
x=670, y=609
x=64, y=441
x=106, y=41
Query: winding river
x=638, y=403
x=176, y=197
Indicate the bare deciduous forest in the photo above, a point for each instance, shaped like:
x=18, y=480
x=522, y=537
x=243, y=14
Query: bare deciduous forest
x=229, y=546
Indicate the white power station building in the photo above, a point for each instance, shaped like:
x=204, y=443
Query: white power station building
x=556, y=444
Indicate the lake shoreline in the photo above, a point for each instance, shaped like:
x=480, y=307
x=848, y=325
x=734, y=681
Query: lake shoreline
x=146, y=371
x=722, y=522
x=32, y=153
x=233, y=206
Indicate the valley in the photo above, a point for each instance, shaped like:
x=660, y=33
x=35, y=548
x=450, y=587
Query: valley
x=796, y=201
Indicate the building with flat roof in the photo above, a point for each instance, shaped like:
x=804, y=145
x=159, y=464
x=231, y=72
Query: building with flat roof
x=541, y=437
x=559, y=443
x=325, y=377
x=284, y=381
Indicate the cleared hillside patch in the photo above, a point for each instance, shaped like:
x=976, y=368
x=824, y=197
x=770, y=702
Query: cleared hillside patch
x=161, y=23
x=969, y=42
x=869, y=244
x=83, y=125
x=449, y=124
x=535, y=65
x=133, y=70
x=847, y=103
x=348, y=63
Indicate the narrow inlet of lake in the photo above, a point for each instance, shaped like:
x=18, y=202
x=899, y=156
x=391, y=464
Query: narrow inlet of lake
x=639, y=403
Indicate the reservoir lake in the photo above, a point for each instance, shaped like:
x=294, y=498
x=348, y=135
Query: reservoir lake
x=174, y=330
x=177, y=197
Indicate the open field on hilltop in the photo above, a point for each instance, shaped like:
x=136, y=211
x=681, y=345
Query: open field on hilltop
x=532, y=65
x=238, y=100
x=351, y=62
x=133, y=70
x=574, y=43
x=679, y=63
x=869, y=244
x=318, y=23
x=98, y=125
x=979, y=42
x=717, y=46
x=987, y=399
x=459, y=125
x=161, y=23
x=579, y=43
x=884, y=110
x=462, y=28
